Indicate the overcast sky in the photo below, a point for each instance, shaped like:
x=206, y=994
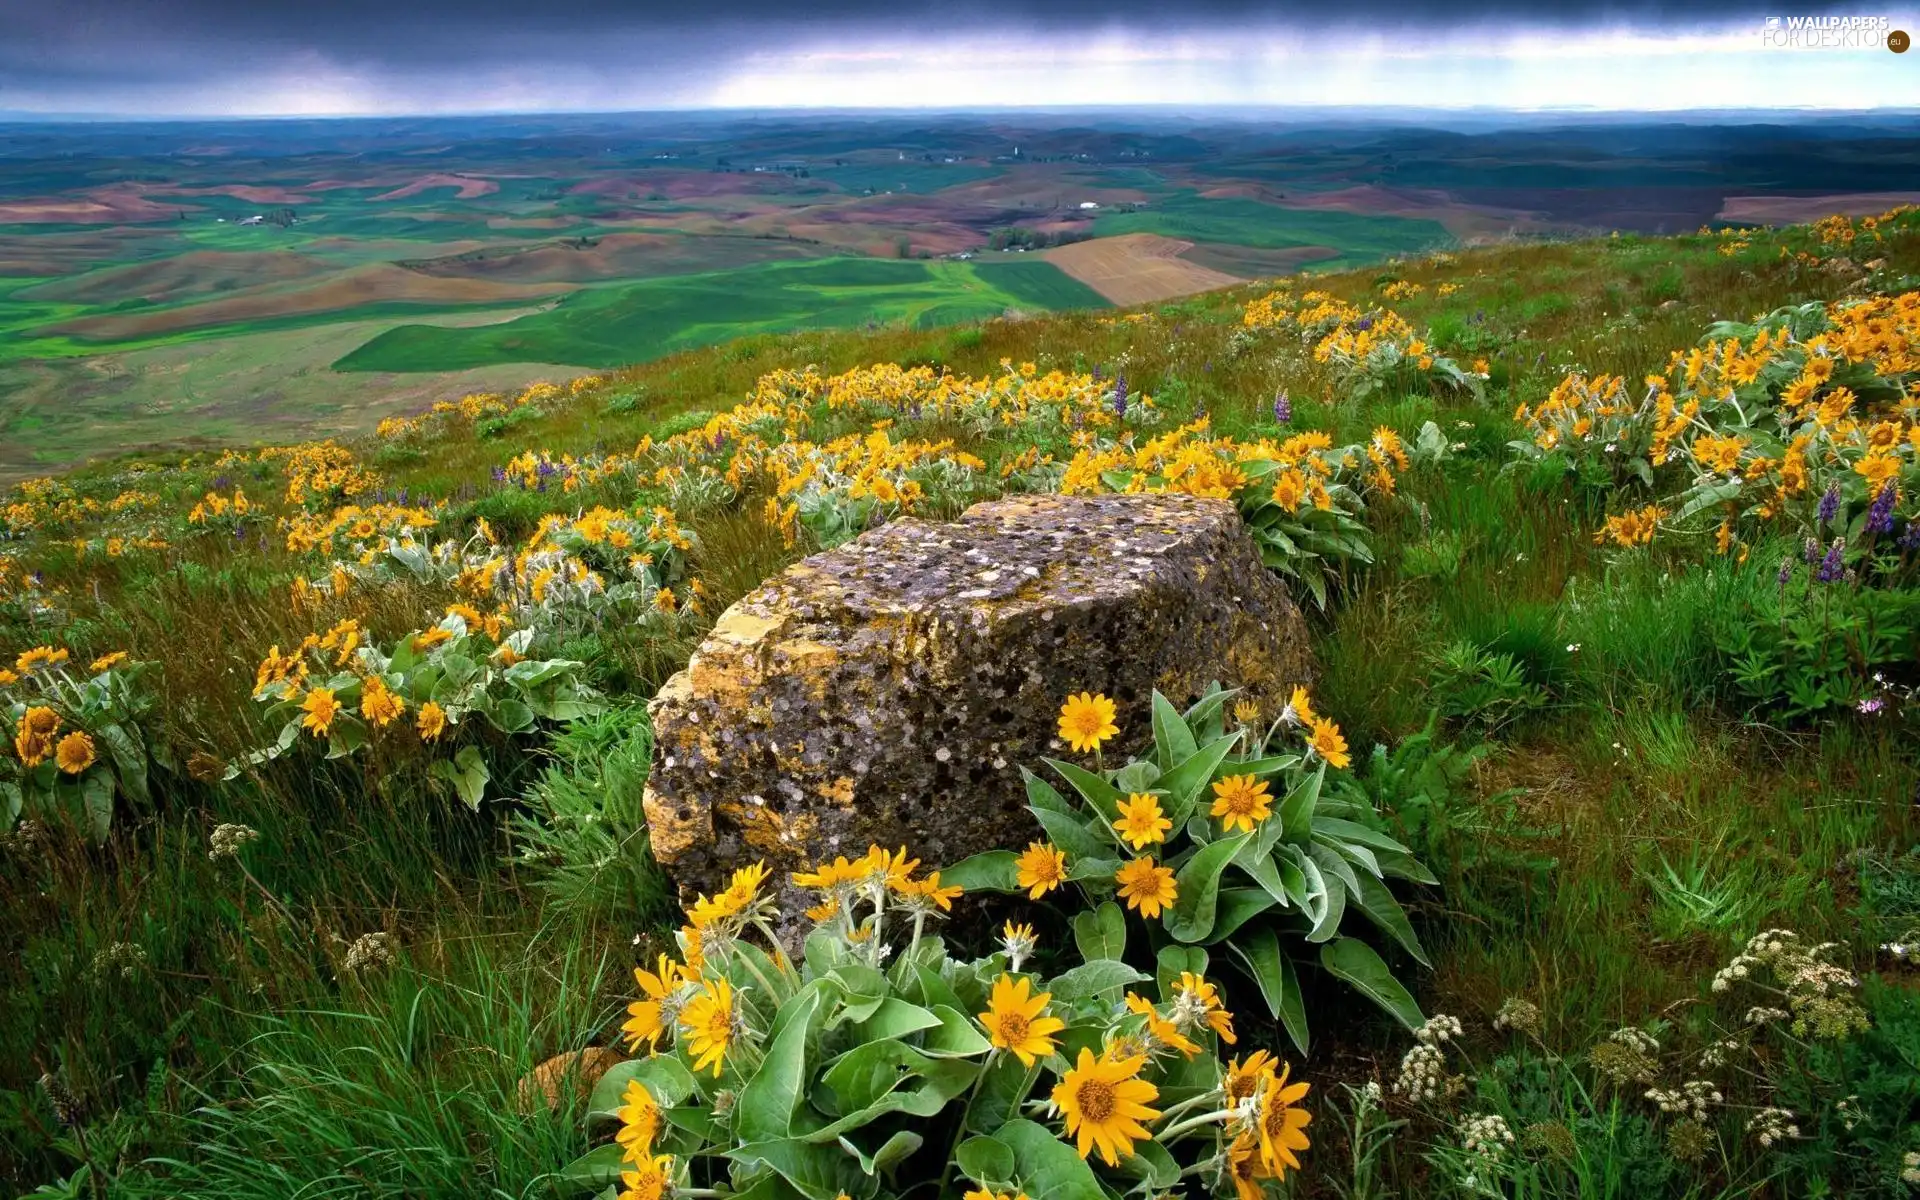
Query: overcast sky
x=326, y=57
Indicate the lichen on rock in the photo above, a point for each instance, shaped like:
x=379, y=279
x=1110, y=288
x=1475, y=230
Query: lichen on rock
x=888, y=690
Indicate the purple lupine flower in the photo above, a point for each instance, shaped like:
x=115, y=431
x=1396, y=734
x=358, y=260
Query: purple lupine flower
x=1831, y=568
x=1208, y=367
x=402, y=499
x=499, y=474
x=1097, y=374
x=1786, y=572
x=1910, y=540
x=1880, y=513
x=221, y=483
x=1830, y=504
x=1810, y=550
x=1120, y=397
x=1363, y=324
x=1282, y=407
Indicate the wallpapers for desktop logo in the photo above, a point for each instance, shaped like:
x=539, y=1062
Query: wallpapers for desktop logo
x=1832, y=33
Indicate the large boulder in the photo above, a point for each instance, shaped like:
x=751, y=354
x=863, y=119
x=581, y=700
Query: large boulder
x=889, y=690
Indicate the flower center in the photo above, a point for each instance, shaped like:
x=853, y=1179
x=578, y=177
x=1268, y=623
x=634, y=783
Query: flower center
x=1013, y=1028
x=1096, y=1101
x=720, y=1025
x=1276, y=1120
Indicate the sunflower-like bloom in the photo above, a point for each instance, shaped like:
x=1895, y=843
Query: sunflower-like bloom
x=1281, y=1125
x=652, y=1180
x=1142, y=823
x=928, y=893
x=431, y=721
x=708, y=1022
x=1195, y=992
x=639, y=1122
x=40, y=656
x=1245, y=1167
x=1086, y=721
x=1104, y=1101
x=378, y=703
x=1244, y=1080
x=1161, y=1030
x=1014, y=1020
x=40, y=721
x=107, y=662
x=74, y=754
x=1041, y=867
x=321, y=708
x=646, y=1017
x=1325, y=741
x=1146, y=886
x=1241, y=802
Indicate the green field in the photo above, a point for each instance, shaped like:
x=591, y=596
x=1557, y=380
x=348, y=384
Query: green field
x=1358, y=238
x=616, y=325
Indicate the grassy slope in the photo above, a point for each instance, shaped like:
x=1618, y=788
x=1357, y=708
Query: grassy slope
x=1358, y=238
x=399, y=1086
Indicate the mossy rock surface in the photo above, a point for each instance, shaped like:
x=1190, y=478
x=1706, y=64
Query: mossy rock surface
x=889, y=690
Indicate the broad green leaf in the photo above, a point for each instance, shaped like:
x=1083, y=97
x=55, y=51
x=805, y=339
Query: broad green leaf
x=1198, y=889
x=987, y=1161
x=1172, y=741
x=1237, y=907
x=1090, y=979
x=1273, y=973
x=895, y=1018
x=1185, y=783
x=1101, y=933
x=1103, y=796
x=1203, y=717
x=1171, y=961
x=993, y=871
x=766, y=1104
x=96, y=798
x=954, y=1037
x=1356, y=962
x=1041, y=794
x=1074, y=835
x=12, y=799
x=129, y=760
x=468, y=774
x=1153, y=1165
x=1377, y=903
x=999, y=1094
x=1407, y=867
x=598, y=1167
x=891, y=1153
x=508, y=714
x=1353, y=831
x=935, y=990
x=1336, y=907
x=1296, y=811
x=898, y=1078
x=818, y=1172
x=665, y=1079
x=1045, y=1166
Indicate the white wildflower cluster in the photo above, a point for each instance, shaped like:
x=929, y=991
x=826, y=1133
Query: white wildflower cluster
x=1423, y=1073
x=1818, y=993
x=1438, y=1030
x=1719, y=1054
x=1851, y=1114
x=124, y=959
x=1910, y=1168
x=227, y=840
x=1635, y=1039
x=1486, y=1136
x=1691, y=1099
x=1904, y=949
x=369, y=951
x=1521, y=1016
x=1771, y=1125
x=1627, y=1056
x=1761, y=1014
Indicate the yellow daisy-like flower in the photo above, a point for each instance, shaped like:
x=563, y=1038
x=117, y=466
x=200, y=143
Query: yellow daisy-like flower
x=1245, y=1167
x=929, y=891
x=1086, y=720
x=74, y=754
x=1325, y=741
x=1042, y=867
x=40, y=656
x=646, y=1017
x=40, y=721
x=1217, y=1017
x=652, y=1181
x=321, y=708
x=1104, y=1101
x=745, y=885
x=107, y=662
x=431, y=722
x=1300, y=706
x=7, y=677
x=824, y=911
x=378, y=704
x=1159, y=1029
x=1244, y=1080
x=1281, y=1125
x=1146, y=886
x=1142, y=823
x=708, y=1023
x=708, y=911
x=836, y=874
x=639, y=1121
x=1241, y=802
x=1014, y=1020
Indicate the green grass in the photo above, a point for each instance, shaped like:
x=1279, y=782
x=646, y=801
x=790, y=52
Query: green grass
x=1358, y=238
x=611, y=326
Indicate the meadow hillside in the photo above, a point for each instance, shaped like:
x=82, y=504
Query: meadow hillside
x=320, y=795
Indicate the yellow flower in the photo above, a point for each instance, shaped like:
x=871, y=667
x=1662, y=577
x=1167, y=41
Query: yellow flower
x=107, y=662
x=1141, y=822
x=745, y=885
x=432, y=721
x=825, y=911
x=1241, y=802
x=646, y=1020
x=1104, y=1101
x=1299, y=706
x=321, y=708
x=708, y=911
x=74, y=754
x=7, y=677
x=664, y=600
x=1245, y=1167
x=836, y=874
x=708, y=1022
x=40, y=656
x=1086, y=720
x=653, y=1180
x=1325, y=740
x=1015, y=1022
x=929, y=889
x=1145, y=886
x=1217, y=1017
x=1042, y=867
x=40, y=721
x=1281, y=1125
x=378, y=703
x=1159, y=1028
x=1244, y=1080
x=639, y=1121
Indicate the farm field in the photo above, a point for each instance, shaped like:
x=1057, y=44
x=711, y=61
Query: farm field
x=119, y=240
x=1574, y=856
